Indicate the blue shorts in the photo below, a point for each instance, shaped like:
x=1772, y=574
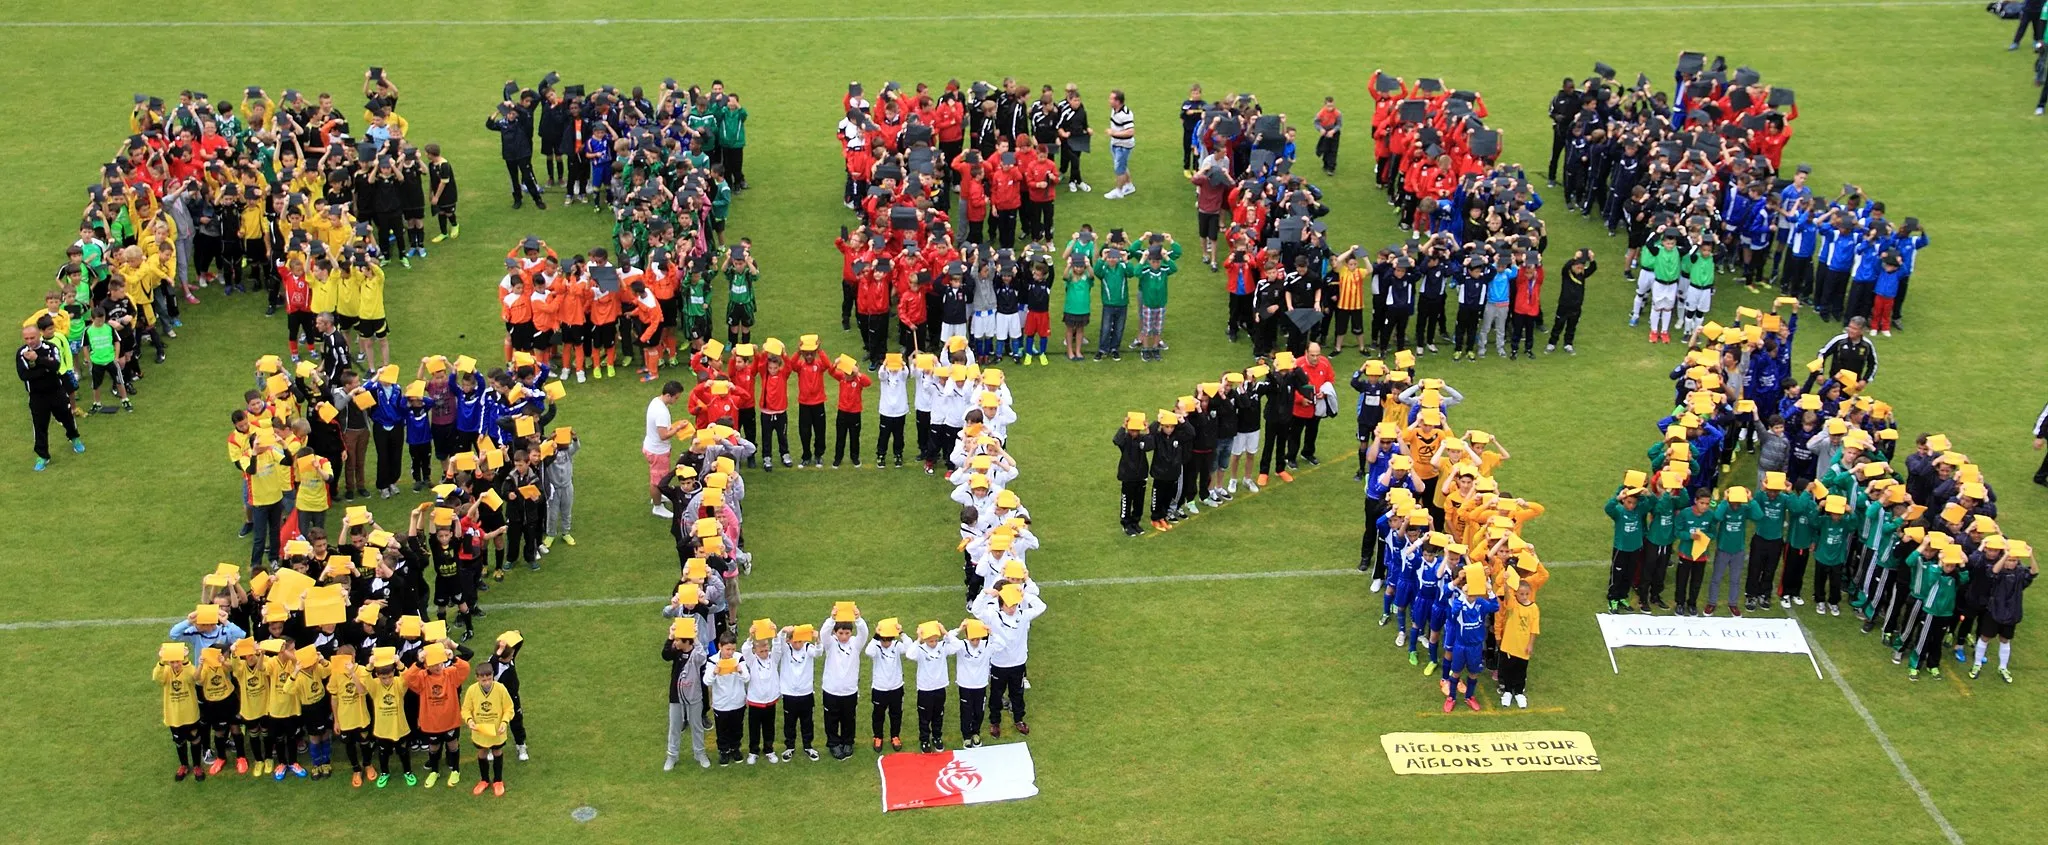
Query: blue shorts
x=1427, y=615
x=1465, y=658
x=1404, y=594
x=1120, y=160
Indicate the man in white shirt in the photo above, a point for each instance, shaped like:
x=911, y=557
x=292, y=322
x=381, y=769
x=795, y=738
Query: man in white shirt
x=654, y=446
x=1122, y=136
x=1008, y=613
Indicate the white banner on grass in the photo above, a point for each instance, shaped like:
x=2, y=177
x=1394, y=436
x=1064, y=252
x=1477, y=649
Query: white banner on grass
x=1760, y=634
x=966, y=776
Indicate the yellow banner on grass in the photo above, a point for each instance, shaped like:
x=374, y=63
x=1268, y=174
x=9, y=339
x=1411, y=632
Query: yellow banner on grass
x=1490, y=753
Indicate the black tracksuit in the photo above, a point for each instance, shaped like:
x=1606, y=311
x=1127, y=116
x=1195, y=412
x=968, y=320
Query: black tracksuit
x=1169, y=452
x=1571, y=298
x=1131, y=472
x=515, y=145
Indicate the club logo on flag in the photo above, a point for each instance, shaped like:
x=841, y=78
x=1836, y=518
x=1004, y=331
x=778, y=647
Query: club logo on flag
x=958, y=777
x=966, y=776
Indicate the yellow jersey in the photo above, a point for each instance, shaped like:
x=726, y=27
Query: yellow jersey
x=488, y=714
x=313, y=687
x=181, y=694
x=284, y=689
x=1522, y=622
x=215, y=682
x=254, y=682
x=370, y=293
x=387, y=704
x=350, y=713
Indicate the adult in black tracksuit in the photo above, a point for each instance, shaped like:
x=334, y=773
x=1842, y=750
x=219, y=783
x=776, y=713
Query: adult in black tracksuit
x=1170, y=441
x=377, y=199
x=503, y=660
x=1625, y=171
x=1132, y=441
x=513, y=122
x=2040, y=442
x=1571, y=298
x=36, y=363
x=1564, y=108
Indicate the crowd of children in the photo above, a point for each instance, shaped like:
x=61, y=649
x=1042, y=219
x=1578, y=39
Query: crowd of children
x=1694, y=177
x=964, y=413
x=266, y=195
x=622, y=150
x=337, y=644
x=1907, y=531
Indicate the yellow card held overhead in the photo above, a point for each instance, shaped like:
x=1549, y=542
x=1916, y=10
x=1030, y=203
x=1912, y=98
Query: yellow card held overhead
x=491, y=499
x=388, y=374
x=364, y=400
x=554, y=391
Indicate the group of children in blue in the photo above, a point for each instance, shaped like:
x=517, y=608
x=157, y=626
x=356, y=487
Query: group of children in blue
x=1694, y=178
x=1907, y=531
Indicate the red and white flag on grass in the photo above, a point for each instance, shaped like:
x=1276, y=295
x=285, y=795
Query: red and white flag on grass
x=966, y=776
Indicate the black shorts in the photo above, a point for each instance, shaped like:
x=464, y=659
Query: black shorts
x=739, y=314
x=105, y=372
x=1365, y=428
x=446, y=206
x=1989, y=628
x=1208, y=224
x=373, y=328
x=697, y=327
x=319, y=721
x=669, y=309
x=551, y=148
x=439, y=737
x=298, y=325
x=413, y=212
x=217, y=714
x=576, y=335
x=604, y=335
x=345, y=322
x=543, y=339
x=449, y=591
x=1349, y=321
x=522, y=337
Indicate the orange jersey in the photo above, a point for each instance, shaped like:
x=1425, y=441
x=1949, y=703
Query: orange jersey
x=1422, y=444
x=572, y=300
x=664, y=283
x=440, y=695
x=513, y=303
x=541, y=301
x=604, y=307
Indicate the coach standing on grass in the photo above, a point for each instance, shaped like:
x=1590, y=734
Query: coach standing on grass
x=1851, y=351
x=2041, y=442
x=514, y=124
x=36, y=363
x=654, y=446
x=1123, y=135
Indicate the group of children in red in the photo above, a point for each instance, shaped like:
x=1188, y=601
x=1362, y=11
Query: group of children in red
x=1907, y=531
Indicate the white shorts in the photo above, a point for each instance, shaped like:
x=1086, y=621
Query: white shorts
x=1009, y=326
x=948, y=331
x=1245, y=443
x=1664, y=297
x=982, y=324
x=1699, y=299
x=1643, y=282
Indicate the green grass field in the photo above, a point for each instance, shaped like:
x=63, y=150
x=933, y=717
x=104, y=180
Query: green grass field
x=1164, y=710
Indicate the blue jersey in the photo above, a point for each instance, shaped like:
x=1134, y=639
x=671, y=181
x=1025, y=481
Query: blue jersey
x=1428, y=576
x=469, y=407
x=418, y=428
x=389, y=412
x=1468, y=623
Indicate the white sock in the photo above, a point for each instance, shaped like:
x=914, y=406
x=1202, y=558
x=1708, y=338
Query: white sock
x=1636, y=310
x=1980, y=652
x=2004, y=653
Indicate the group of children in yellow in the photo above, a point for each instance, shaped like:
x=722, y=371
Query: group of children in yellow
x=346, y=635
x=739, y=683
x=1908, y=531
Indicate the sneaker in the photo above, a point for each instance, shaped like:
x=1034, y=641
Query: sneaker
x=498, y=789
x=1799, y=601
x=1836, y=610
x=2005, y=674
x=811, y=753
x=1251, y=487
x=775, y=758
x=1549, y=348
x=1710, y=610
x=1085, y=187
x=1785, y=602
x=1024, y=729
x=1521, y=701
x=663, y=512
x=1472, y=702
x=1286, y=476
x=1450, y=704
x=878, y=745
x=751, y=758
x=1401, y=639
x=382, y=780
x=703, y=762
x=432, y=779
x=1976, y=670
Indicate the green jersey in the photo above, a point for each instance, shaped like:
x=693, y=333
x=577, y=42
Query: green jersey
x=1116, y=282
x=703, y=122
x=732, y=127
x=740, y=286
x=1664, y=517
x=1700, y=270
x=1803, y=514
x=1731, y=525
x=1152, y=283
x=1628, y=523
x=1078, y=297
x=1689, y=521
x=100, y=347
x=1941, y=589
x=697, y=296
x=1663, y=263
x=1768, y=511
x=1832, y=546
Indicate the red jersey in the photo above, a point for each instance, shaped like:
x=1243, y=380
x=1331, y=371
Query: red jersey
x=850, y=387
x=298, y=296
x=774, y=392
x=810, y=377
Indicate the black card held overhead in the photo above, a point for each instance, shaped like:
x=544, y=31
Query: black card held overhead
x=1414, y=111
x=1485, y=143
x=1689, y=63
x=1780, y=97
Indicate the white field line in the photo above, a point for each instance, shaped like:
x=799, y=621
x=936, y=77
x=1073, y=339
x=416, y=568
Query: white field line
x=801, y=20
x=765, y=595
